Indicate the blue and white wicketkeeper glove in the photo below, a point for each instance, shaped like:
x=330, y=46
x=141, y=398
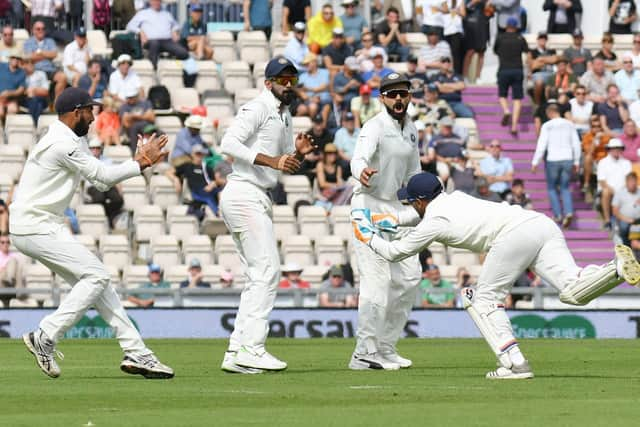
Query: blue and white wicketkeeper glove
x=385, y=222
x=363, y=229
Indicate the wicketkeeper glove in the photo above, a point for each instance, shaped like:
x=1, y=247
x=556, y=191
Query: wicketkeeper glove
x=363, y=229
x=385, y=222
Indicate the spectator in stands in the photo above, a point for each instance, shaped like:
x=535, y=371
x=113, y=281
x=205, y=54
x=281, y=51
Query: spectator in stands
x=432, y=15
x=313, y=89
x=111, y=199
x=122, y=11
x=594, y=144
x=93, y=80
x=628, y=80
x=346, y=84
x=368, y=51
x=42, y=51
x=195, y=278
x=431, y=55
x=108, y=122
x=463, y=280
x=450, y=85
x=432, y=299
x=634, y=111
x=226, y=279
x=607, y=53
x=390, y=36
x=12, y=85
x=156, y=281
x=194, y=34
x=321, y=137
x=354, y=23
x=365, y=106
x=558, y=143
x=8, y=43
x=76, y=57
x=135, y=114
x=613, y=112
x=482, y=191
x=336, y=281
x=257, y=16
x=36, y=97
x=124, y=80
x=374, y=77
x=563, y=80
x=509, y=47
x=345, y=140
x=578, y=56
x=612, y=172
x=291, y=277
x=497, y=169
x=321, y=27
x=294, y=11
x=505, y=9
x=517, y=195
x=596, y=80
x=158, y=32
x=557, y=99
x=4, y=215
x=634, y=53
x=427, y=154
x=463, y=173
x=562, y=15
x=417, y=78
x=581, y=110
x=622, y=13
x=336, y=52
x=541, y=61
x=10, y=269
x=626, y=208
x=454, y=32
x=329, y=174
x=476, y=37
x=187, y=138
x=46, y=11
x=631, y=140
x=432, y=109
x=296, y=49
x=447, y=145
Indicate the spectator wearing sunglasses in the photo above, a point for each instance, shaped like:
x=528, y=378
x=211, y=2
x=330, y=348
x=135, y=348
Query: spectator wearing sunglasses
x=581, y=110
x=628, y=80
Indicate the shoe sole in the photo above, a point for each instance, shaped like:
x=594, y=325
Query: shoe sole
x=522, y=376
x=32, y=350
x=152, y=375
x=363, y=365
x=237, y=369
x=260, y=368
x=630, y=267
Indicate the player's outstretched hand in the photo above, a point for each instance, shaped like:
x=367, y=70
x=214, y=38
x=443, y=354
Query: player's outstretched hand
x=363, y=229
x=385, y=222
x=286, y=163
x=152, y=151
x=304, y=144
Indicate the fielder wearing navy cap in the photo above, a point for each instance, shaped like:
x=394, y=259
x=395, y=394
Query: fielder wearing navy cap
x=424, y=186
x=73, y=98
x=277, y=65
x=393, y=79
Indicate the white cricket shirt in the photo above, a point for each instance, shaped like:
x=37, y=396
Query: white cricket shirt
x=258, y=128
x=51, y=175
x=389, y=148
x=559, y=141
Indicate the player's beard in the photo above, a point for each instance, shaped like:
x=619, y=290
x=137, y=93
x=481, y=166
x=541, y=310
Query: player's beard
x=81, y=128
x=397, y=111
x=286, y=97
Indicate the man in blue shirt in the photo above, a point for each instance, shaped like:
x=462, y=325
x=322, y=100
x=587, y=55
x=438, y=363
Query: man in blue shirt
x=346, y=84
x=187, y=138
x=257, y=16
x=93, y=82
x=450, y=85
x=354, y=24
x=12, y=85
x=497, y=169
x=296, y=48
x=42, y=51
x=345, y=139
x=313, y=89
x=194, y=33
x=375, y=76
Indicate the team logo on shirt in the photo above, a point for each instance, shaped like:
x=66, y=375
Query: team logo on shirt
x=413, y=137
x=71, y=153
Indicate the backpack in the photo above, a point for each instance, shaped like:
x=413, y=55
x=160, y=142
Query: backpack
x=159, y=97
x=101, y=13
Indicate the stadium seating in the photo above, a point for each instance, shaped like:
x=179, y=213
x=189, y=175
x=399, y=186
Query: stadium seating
x=245, y=95
x=297, y=188
x=165, y=250
x=19, y=130
x=341, y=219
x=416, y=41
x=199, y=247
x=253, y=46
x=39, y=278
x=115, y=250
x=297, y=249
x=92, y=220
x=148, y=221
x=134, y=192
x=313, y=221
x=97, y=41
x=224, y=48
x=226, y=254
x=118, y=153
x=163, y=192
x=184, y=98
x=135, y=275
x=208, y=77
x=89, y=242
x=284, y=221
x=11, y=160
x=329, y=250
x=43, y=123
x=170, y=74
x=236, y=76
x=180, y=223
x=219, y=107
x=278, y=42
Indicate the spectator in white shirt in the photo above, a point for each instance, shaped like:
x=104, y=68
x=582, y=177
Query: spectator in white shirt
x=558, y=143
x=634, y=111
x=432, y=15
x=628, y=80
x=45, y=11
x=76, y=57
x=612, y=171
x=626, y=207
x=581, y=110
x=123, y=79
x=296, y=48
x=432, y=53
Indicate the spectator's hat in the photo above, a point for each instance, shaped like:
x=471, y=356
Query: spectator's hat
x=195, y=263
x=226, y=276
x=376, y=51
x=365, y=90
x=277, y=65
x=349, y=2
x=336, y=270
x=348, y=117
x=309, y=57
x=446, y=121
x=431, y=87
x=292, y=267
x=72, y=98
x=512, y=22
x=317, y=118
x=155, y=268
x=124, y=58
x=577, y=33
x=81, y=32
x=95, y=143
x=195, y=7
x=131, y=92
x=338, y=32
x=194, y=122
x=15, y=53
x=299, y=27
x=199, y=148
x=330, y=148
x=542, y=35
x=413, y=59
x=351, y=63
x=424, y=185
x=432, y=31
x=419, y=125
x=614, y=143
x=393, y=79
x=149, y=129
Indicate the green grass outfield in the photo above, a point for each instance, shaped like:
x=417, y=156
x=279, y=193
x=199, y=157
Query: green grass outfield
x=578, y=383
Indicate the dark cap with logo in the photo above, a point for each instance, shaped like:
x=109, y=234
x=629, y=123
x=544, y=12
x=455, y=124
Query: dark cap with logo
x=277, y=65
x=72, y=98
x=393, y=79
x=424, y=185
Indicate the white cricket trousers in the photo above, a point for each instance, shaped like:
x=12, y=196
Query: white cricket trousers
x=387, y=289
x=247, y=212
x=91, y=282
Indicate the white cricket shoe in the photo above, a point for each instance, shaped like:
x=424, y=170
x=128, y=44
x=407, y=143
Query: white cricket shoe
x=146, y=365
x=44, y=350
x=626, y=265
x=517, y=372
x=394, y=357
x=229, y=365
x=259, y=359
x=363, y=362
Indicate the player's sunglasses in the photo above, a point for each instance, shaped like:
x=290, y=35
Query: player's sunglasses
x=392, y=94
x=283, y=80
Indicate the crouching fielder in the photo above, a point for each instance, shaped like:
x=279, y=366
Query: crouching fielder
x=514, y=240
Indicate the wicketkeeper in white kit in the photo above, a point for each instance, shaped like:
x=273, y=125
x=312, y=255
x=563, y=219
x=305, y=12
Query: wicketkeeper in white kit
x=385, y=157
x=514, y=240
x=51, y=174
x=260, y=140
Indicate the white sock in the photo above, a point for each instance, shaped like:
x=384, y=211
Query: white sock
x=516, y=356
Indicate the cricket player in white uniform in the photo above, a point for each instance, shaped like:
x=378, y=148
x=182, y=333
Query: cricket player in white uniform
x=385, y=157
x=514, y=239
x=51, y=174
x=260, y=140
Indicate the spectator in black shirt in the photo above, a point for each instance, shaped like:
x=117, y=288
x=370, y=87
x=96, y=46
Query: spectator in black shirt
x=336, y=52
x=390, y=37
x=564, y=108
x=509, y=47
x=541, y=61
x=622, y=13
x=562, y=15
x=450, y=85
x=413, y=75
x=321, y=137
x=294, y=11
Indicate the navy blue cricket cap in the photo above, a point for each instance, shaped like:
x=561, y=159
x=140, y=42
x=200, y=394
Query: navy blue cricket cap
x=72, y=98
x=197, y=7
x=421, y=186
x=277, y=65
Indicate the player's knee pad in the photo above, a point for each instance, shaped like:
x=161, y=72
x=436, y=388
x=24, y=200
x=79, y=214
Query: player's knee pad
x=592, y=282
